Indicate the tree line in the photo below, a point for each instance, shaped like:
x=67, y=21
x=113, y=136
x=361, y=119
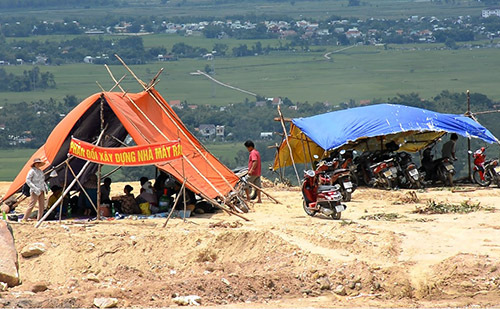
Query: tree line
x=30, y=80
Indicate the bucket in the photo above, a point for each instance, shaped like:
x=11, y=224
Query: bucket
x=104, y=210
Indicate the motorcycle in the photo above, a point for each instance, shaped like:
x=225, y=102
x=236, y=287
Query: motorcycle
x=385, y=174
x=320, y=197
x=242, y=173
x=330, y=173
x=437, y=170
x=485, y=172
x=408, y=174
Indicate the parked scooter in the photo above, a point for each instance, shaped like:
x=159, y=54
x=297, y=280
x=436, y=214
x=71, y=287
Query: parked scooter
x=437, y=170
x=341, y=176
x=321, y=197
x=385, y=174
x=485, y=172
x=408, y=174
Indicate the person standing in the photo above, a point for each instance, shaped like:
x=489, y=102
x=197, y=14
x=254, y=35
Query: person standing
x=448, y=150
x=254, y=169
x=36, y=181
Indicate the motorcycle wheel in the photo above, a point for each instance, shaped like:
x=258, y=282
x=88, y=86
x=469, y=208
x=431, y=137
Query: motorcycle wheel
x=355, y=182
x=449, y=179
x=308, y=210
x=336, y=215
x=387, y=184
x=346, y=196
x=241, y=204
x=477, y=178
x=253, y=193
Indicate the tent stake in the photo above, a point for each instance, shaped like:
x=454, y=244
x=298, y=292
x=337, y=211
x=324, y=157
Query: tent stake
x=288, y=143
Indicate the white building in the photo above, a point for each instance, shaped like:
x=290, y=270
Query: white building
x=490, y=12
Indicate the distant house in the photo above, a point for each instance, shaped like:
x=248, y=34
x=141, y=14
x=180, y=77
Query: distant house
x=193, y=106
x=353, y=33
x=266, y=135
x=3, y=62
x=175, y=103
x=88, y=59
x=219, y=131
x=207, y=130
x=490, y=12
x=275, y=101
x=364, y=102
x=19, y=61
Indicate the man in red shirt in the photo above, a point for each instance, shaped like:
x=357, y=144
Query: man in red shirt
x=254, y=169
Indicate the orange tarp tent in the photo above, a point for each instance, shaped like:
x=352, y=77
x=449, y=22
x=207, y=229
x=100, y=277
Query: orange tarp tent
x=148, y=119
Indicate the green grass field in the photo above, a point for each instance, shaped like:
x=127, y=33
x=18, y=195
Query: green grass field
x=11, y=162
x=306, y=9
x=362, y=72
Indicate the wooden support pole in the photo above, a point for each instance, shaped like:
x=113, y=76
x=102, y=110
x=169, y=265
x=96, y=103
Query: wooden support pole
x=175, y=202
x=99, y=166
x=469, y=170
x=288, y=143
x=59, y=200
x=261, y=190
x=83, y=188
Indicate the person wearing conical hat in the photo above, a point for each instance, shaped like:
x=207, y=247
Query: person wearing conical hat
x=36, y=181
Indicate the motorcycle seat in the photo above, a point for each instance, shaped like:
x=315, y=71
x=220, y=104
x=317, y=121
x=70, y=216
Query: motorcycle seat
x=326, y=188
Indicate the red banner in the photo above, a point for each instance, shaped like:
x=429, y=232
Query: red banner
x=126, y=156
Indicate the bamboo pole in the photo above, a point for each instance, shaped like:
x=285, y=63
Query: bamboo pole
x=83, y=188
x=309, y=149
x=59, y=200
x=99, y=166
x=303, y=149
x=469, y=170
x=288, y=143
x=261, y=190
x=175, y=202
x=64, y=188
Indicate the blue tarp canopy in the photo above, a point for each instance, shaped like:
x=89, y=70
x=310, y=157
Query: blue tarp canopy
x=335, y=129
x=369, y=128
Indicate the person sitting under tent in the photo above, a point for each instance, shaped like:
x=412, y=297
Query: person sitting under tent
x=160, y=183
x=147, y=195
x=56, y=194
x=106, y=191
x=190, y=198
x=127, y=202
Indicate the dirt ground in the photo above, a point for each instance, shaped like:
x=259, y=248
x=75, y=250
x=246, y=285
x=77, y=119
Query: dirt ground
x=280, y=258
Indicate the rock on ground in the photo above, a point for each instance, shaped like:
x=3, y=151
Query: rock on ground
x=9, y=266
x=192, y=300
x=34, y=249
x=104, y=302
